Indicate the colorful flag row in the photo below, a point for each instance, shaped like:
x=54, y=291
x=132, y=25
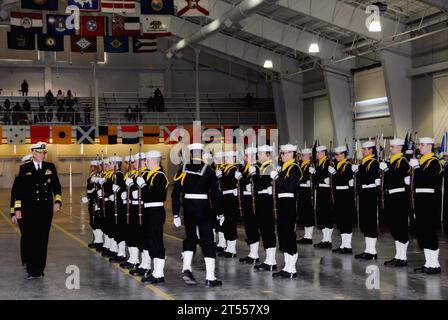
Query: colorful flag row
x=165, y=7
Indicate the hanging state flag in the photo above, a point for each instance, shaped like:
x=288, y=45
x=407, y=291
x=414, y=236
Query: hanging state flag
x=56, y=25
x=85, y=134
x=40, y=4
x=92, y=26
x=157, y=7
x=192, y=8
x=151, y=134
x=443, y=144
x=123, y=26
x=156, y=26
x=108, y=134
x=62, y=134
x=21, y=40
x=166, y=132
x=85, y=5
x=26, y=21
x=15, y=134
x=142, y=44
x=130, y=134
x=40, y=133
x=47, y=42
x=116, y=44
x=118, y=6
x=83, y=44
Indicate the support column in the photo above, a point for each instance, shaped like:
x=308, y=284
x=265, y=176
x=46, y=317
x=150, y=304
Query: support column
x=198, y=107
x=95, y=90
x=47, y=79
x=396, y=64
x=423, y=105
x=338, y=83
x=168, y=78
x=289, y=110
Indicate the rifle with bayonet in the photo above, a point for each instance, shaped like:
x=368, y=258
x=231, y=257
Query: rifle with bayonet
x=128, y=188
x=138, y=186
x=115, y=192
x=102, y=185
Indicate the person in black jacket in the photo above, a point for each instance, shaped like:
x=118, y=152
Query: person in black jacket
x=305, y=203
x=368, y=175
x=194, y=181
x=343, y=198
x=396, y=200
x=24, y=88
x=37, y=198
x=427, y=182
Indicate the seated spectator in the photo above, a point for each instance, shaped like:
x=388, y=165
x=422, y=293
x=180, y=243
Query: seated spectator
x=49, y=98
x=69, y=99
x=157, y=92
x=150, y=104
x=87, y=114
x=60, y=98
x=7, y=112
x=42, y=117
x=129, y=114
x=17, y=114
x=49, y=115
x=248, y=100
x=24, y=88
x=70, y=114
x=60, y=113
x=26, y=106
x=137, y=113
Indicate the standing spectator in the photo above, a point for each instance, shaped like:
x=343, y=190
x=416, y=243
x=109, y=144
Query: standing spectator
x=157, y=93
x=42, y=117
x=7, y=113
x=158, y=102
x=60, y=98
x=49, y=115
x=137, y=113
x=49, y=98
x=87, y=114
x=69, y=100
x=16, y=113
x=129, y=114
x=77, y=116
x=24, y=88
x=248, y=100
x=150, y=104
x=60, y=113
x=26, y=106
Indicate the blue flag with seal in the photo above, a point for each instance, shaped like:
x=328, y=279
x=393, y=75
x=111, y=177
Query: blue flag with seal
x=157, y=6
x=40, y=4
x=116, y=44
x=85, y=134
x=56, y=25
x=47, y=42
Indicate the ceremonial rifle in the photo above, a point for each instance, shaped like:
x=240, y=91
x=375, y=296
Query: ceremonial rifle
x=115, y=192
x=102, y=185
x=330, y=176
x=238, y=184
x=382, y=178
x=252, y=187
x=138, y=186
x=274, y=188
x=411, y=180
x=128, y=189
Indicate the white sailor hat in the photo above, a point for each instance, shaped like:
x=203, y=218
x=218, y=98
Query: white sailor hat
x=426, y=140
x=230, y=154
x=250, y=150
x=368, y=144
x=396, y=142
x=321, y=148
x=340, y=149
x=265, y=148
x=93, y=163
x=115, y=159
x=307, y=151
x=219, y=154
x=195, y=146
x=106, y=160
x=288, y=148
x=27, y=158
x=153, y=154
x=140, y=155
x=39, y=147
x=207, y=156
x=126, y=158
x=409, y=151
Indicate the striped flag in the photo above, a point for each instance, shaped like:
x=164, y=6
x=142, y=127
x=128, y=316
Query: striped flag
x=130, y=134
x=26, y=21
x=108, y=134
x=40, y=133
x=85, y=134
x=118, y=6
x=123, y=26
x=151, y=134
x=143, y=44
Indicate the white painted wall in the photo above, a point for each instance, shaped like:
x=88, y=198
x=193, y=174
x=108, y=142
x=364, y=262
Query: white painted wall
x=323, y=126
x=440, y=108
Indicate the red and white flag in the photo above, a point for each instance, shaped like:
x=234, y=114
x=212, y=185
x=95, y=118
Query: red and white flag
x=118, y=6
x=26, y=21
x=124, y=26
x=192, y=8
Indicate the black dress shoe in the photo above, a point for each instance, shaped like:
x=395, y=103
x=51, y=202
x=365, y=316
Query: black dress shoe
x=99, y=247
x=117, y=259
x=338, y=250
x=400, y=263
x=188, y=277
x=284, y=274
x=220, y=249
x=92, y=245
x=111, y=255
x=427, y=270
x=128, y=265
x=138, y=272
x=213, y=283
x=249, y=260
x=265, y=267
x=152, y=280
x=366, y=256
x=226, y=254
x=305, y=241
x=343, y=250
x=323, y=245
x=390, y=262
x=106, y=253
x=35, y=276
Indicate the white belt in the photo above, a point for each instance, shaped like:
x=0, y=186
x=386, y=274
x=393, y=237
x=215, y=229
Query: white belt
x=424, y=190
x=305, y=185
x=125, y=202
x=265, y=191
x=324, y=185
x=247, y=193
x=90, y=191
x=134, y=202
x=196, y=196
x=342, y=187
x=368, y=186
x=286, y=195
x=232, y=191
x=153, y=204
x=106, y=199
x=396, y=190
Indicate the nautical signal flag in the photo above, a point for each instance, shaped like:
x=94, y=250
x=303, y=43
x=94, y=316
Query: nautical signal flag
x=192, y=8
x=85, y=134
x=15, y=134
x=21, y=40
x=47, y=42
x=62, y=134
x=123, y=26
x=84, y=5
x=83, y=44
x=116, y=44
x=166, y=131
x=41, y=4
x=108, y=134
x=92, y=26
x=26, y=21
x=157, y=26
x=130, y=134
x=151, y=134
x=118, y=6
x=40, y=133
x=157, y=7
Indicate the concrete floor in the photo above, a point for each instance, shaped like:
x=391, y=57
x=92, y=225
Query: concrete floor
x=321, y=274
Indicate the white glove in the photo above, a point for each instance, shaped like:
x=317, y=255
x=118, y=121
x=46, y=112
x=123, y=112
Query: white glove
x=99, y=193
x=407, y=180
x=94, y=179
x=252, y=170
x=414, y=163
x=238, y=175
x=221, y=219
x=274, y=175
x=383, y=166
x=129, y=182
x=135, y=194
x=377, y=182
x=112, y=198
x=141, y=182
x=249, y=187
x=331, y=170
x=311, y=170
x=177, y=222
x=327, y=180
x=101, y=181
x=115, y=188
x=355, y=168
x=269, y=190
x=84, y=200
x=124, y=196
x=351, y=183
x=219, y=173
